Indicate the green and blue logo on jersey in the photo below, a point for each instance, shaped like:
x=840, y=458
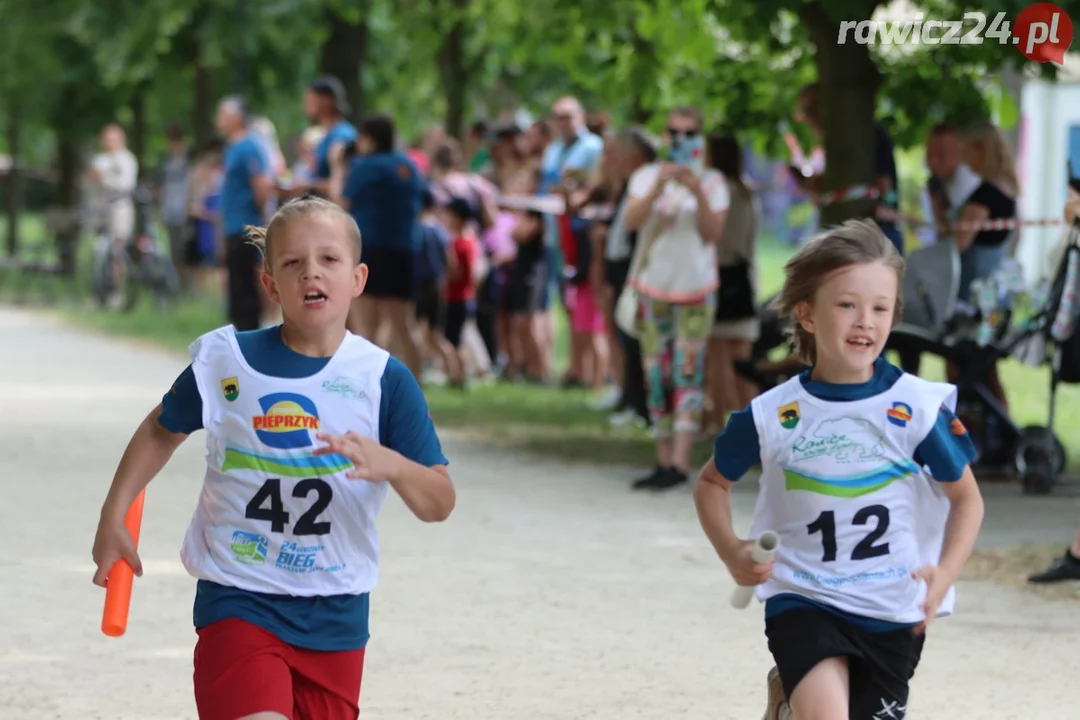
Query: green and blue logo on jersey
x=820, y=457
x=850, y=486
x=249, y=548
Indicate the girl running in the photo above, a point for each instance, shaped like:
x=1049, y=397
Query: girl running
x=864, y=475
x=307, y=428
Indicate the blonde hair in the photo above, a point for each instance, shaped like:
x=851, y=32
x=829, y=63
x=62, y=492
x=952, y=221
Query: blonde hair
x=856, y=242
x=303, y=206
x=998, y=162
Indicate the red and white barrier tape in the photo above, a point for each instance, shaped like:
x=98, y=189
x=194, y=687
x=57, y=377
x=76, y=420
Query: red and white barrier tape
x=863, y=192
x=555, y=205
x=1005, y=224
x=855, y=192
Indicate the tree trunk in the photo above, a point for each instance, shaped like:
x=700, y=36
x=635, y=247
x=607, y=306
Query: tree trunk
x=203, y=105
x=644, y=76
x=453, y=68
x=14, y=178
x=342, y=55
x=67, y=187
x=848, y=83
x=188, y=48
x=138, y=125
x=240, y=68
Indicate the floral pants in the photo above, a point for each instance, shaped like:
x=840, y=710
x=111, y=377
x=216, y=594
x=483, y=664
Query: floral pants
x=674, y=338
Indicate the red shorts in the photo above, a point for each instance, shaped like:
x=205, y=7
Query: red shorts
x=241, y=669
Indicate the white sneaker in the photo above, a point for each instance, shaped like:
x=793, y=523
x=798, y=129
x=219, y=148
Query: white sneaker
x=607, y=399
x=623, y=418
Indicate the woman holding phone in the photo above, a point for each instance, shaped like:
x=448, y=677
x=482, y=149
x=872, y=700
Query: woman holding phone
x=678, y=207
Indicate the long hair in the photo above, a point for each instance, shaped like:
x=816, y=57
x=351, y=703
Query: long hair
x=725, y=155
x=998, y=164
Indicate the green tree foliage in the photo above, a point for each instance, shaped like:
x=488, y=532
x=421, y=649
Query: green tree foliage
x=450, y=61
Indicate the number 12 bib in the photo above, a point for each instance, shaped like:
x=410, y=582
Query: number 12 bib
x=272, y=516
x=856, y=514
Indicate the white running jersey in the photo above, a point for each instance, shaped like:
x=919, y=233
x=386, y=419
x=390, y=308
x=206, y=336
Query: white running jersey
x=272, y=516
x=855, y=513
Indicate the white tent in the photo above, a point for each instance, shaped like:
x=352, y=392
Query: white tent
x=1049, y=135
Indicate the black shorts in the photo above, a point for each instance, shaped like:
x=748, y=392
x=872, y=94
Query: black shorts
x=881, y=664
x=390, y=273
x=457, y=312
x=430, y=306
x=616, y=272
x=524, y=291
x=243, y=261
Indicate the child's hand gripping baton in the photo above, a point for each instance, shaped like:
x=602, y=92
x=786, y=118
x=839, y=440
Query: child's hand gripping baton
x=121, y=577
x=762, y=552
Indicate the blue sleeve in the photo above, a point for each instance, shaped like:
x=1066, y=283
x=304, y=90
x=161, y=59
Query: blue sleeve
x=948, y=449
x=322, y=162
x=596, y=152
x=339, y=133
x=258, y=160
x=737, y=448
x=181, y=407
x=405, y=424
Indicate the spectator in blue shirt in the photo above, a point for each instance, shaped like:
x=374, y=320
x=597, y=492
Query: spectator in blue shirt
x=326, y=105
x=383, y=191
x=245, y=191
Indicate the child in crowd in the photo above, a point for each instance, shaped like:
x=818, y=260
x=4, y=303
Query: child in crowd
x=307, y=429
x=430, y=269
x=865, y=477
x=523, y=300
x=462, y=278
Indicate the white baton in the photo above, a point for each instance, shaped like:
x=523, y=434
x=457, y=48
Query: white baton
x=762, y=552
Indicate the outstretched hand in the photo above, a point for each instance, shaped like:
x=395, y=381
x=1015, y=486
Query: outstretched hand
x=371, y=461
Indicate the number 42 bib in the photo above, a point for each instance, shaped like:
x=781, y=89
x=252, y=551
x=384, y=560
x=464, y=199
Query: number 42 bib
x=273, y=516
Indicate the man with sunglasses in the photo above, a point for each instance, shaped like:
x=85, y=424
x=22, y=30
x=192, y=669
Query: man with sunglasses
x=570, y=159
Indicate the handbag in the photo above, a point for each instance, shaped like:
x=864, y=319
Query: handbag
x=735, y=298
x=629, y=302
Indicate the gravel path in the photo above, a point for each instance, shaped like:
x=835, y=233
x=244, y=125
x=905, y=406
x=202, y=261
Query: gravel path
x=552, y=592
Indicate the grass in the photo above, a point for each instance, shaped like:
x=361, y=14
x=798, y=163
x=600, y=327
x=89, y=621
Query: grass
x=539, y=419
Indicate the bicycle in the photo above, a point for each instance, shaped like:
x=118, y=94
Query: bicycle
x=145, y=263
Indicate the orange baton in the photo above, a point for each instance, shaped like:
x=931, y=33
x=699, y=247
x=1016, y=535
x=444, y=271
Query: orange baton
x=121, y=578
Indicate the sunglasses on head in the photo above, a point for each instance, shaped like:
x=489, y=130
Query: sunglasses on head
x=677, y=133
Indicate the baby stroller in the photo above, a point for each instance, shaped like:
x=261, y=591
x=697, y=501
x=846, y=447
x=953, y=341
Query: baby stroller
x=973, y=337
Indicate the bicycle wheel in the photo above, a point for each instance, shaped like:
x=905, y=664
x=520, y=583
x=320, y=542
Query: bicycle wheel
x=102, y=280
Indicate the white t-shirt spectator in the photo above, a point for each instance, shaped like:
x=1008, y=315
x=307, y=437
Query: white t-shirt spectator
x=680, y=267
x=118, y=175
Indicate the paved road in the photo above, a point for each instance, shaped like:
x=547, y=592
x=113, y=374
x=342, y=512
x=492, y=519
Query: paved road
x=552, y=592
